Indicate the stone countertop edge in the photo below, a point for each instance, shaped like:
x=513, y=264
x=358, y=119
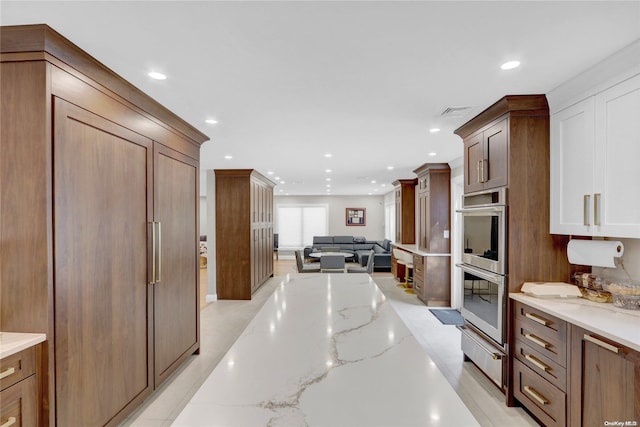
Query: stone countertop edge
x=617, y=324
x=414, y=249
x=14, y=342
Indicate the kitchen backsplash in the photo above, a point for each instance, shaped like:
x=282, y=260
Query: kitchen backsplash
x=630, y=259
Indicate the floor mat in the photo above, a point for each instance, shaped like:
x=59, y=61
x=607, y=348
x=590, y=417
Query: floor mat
x=448, y=316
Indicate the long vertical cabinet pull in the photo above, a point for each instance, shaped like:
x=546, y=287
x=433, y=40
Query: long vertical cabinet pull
x=596, y=209
x=154, y=269
x=151, y=264
x=159, y=253
x=585, y=209
x=478, y=172
x=485, y=167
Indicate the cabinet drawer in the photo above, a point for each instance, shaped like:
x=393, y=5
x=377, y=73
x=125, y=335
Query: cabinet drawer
x=542, y=365
x=418, y=263
x=16, y=367
x=18, y=404
x=542, y=332
x=543, y=399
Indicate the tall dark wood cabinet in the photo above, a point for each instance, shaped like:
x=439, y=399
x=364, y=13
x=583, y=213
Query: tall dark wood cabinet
x=99, y=231
x=432, y=272
x=405, y=211
x=244, y=232
x=433, y=195
x=514, y=135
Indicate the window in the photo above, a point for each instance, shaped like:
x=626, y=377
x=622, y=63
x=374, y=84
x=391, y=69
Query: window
x=297, y=224
x=390, y=221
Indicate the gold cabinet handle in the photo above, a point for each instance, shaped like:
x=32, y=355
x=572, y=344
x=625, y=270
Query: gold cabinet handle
x=10, y=421
x=537, y=396
x=6, y=373
x=596, y=209
x=602, y=344
x=537, y=340
x=537, y=319
x=536, y=362
x=151, y=269
x=585, y=209
x=478, y=172
x=485, y=162
x=159, y=254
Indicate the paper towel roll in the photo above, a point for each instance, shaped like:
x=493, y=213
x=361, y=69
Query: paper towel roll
x=599, y=253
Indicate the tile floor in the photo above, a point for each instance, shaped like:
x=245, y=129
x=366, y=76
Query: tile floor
x=223, y=321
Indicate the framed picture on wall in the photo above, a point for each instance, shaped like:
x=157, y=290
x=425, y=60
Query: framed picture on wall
x=356, y=216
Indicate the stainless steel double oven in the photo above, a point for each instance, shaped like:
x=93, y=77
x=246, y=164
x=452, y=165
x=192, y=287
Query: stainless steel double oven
x=484, y=281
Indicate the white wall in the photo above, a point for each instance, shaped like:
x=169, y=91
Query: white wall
x=203, y=215
x=374, y=205
x=629, y=261
x=457, y=189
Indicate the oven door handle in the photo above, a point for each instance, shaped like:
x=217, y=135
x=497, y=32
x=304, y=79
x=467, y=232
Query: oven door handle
x=483, y=274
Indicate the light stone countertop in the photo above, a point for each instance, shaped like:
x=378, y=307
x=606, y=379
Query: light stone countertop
x=414, y=249
x=617, y=324
x=326, y=350
x=14, y=342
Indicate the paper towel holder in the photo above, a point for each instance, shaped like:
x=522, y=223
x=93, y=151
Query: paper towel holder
x=597, y=253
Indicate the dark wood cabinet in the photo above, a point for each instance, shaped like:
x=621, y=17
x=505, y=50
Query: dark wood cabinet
x=485, y=160
x=432, y=279
x=507, y=145
x=244, y=232
x=540, y=364
x=604, y=381
x=99, y=246
x=432, y=271
x=176, y=296
x=405, y=211
x=19, y=397
x=433, y=195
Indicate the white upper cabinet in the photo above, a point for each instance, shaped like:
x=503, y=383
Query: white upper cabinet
x=595, y=164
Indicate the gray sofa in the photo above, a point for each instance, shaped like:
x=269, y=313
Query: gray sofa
x=359, y=247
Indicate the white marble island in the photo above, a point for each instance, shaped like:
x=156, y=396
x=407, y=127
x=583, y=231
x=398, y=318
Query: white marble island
x=326, y=350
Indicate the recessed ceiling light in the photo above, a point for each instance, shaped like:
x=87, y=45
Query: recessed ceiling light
x=390, y=168
x=282, y=182
x=328, y=179
x=328, y=155
x=373, y=181
x=270, y=173
x=211, y=121
x=328, y=190
x=375, y=189
x=369, y=194
x=156, y=75
x=277, y=178
x=383, y=185
x=228, y=157
x=328, y=170
x=434, y=130
x=510, y=65
x=281, y=190
x=328, y=185
x=432, y=154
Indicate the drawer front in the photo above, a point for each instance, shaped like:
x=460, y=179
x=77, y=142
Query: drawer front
x=542, y=365
x=542, y=332
x=18, y=404
x=17, y=367
x=543, y=399
x=418, y=263
x=418, y=283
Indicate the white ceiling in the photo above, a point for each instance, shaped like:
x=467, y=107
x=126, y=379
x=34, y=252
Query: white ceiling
x=365, y=81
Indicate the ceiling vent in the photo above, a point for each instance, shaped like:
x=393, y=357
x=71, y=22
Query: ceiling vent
x=455, y=112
